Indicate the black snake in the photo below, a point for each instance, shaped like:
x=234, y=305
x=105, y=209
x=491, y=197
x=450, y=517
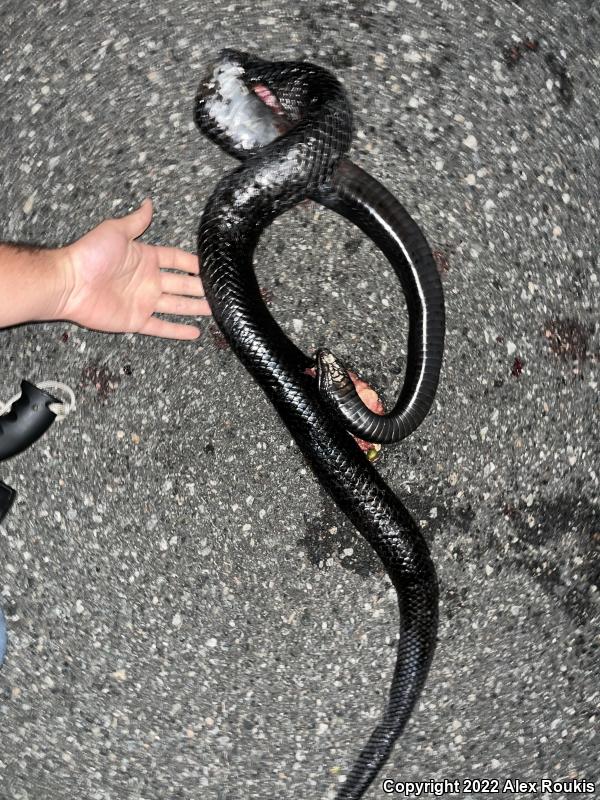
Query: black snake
x=290, y=125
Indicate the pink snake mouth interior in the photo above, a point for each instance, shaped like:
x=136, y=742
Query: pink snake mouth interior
x=268, y=98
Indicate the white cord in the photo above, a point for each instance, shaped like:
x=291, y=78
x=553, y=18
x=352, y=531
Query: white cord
x=60, y=409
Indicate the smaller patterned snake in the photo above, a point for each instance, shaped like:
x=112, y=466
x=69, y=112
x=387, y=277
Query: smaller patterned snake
x=289, y=123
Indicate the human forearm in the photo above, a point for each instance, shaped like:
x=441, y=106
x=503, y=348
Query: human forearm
x=107, y=280
x=33, y=283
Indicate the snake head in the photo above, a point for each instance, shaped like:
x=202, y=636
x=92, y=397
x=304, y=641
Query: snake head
x=346, y=394
x=245, y=102
x=232, y=107
x=333, y=377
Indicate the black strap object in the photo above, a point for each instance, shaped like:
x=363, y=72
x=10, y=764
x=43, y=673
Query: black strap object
x=7, y=495
x=28, y=419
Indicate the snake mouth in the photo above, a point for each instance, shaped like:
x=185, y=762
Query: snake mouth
x=242, y=62
x=266, y=96
x=237, y=105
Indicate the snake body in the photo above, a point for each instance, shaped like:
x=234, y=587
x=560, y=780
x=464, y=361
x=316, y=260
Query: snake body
x=289, y=123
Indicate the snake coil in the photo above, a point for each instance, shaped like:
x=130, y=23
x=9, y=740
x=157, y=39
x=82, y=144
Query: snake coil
x=289, y=123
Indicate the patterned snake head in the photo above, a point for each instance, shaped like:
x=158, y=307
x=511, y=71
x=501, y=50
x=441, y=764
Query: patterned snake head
x=244, y=102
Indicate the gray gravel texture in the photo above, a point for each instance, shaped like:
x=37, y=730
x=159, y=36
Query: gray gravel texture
x=189, y=616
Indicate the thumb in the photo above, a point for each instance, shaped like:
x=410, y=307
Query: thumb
x=137, y=222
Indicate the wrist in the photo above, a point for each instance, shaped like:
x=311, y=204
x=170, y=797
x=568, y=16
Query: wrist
x=61, y=283
x=53, y=268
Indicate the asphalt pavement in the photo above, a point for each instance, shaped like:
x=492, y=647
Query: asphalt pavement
x=188, y=615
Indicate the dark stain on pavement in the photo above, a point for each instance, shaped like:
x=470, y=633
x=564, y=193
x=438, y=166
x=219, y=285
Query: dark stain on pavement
x=540, y=549
x=219, y=340
x=565, y=82
x=568, y=339
x=98, y=376
x=513, y=55
x=330, y=535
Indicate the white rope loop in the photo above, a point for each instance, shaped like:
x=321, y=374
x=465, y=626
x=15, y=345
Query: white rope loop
x=61, y=409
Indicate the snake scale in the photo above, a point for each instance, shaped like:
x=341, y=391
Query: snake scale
x=289, y=124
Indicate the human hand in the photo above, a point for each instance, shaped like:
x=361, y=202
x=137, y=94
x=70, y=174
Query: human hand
x=114, y=283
